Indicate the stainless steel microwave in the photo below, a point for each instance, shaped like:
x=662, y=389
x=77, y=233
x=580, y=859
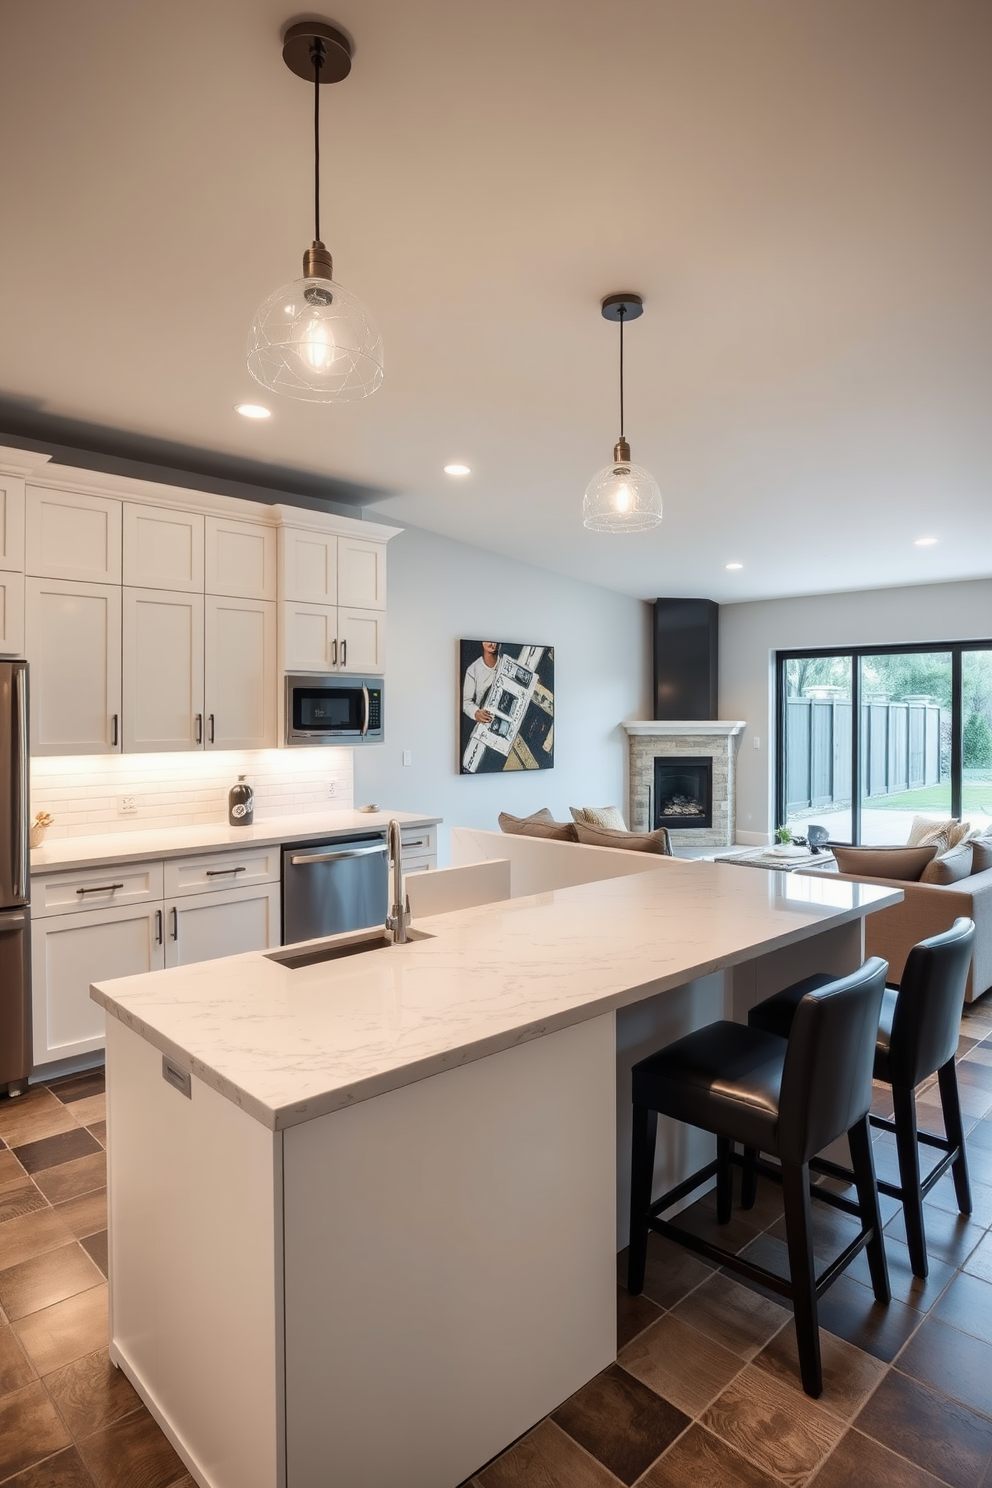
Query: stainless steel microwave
x=334, y=710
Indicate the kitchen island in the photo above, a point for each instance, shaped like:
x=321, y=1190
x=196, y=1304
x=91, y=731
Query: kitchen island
x=364, y=1212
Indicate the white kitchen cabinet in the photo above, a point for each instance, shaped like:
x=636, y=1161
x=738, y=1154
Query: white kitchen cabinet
x=309, y=562
x=233, y=868
x=11, y=613
x=68, y=953
x=361, y=640
x=225, y=922
x=11, y=522
x=240, y=700
x=163, y=669
x=361, y=574
x=240, y=559
x=163, y=548
x=72, y=535
x=73, y=641
x=418, y=849
x=326, y=638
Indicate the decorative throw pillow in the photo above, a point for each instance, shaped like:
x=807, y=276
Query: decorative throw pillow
x=650, y=842
x=599, y=816
x=540, y=824
x=981, y=851
x=943, y=834
x=902, y=863
x=950, y=866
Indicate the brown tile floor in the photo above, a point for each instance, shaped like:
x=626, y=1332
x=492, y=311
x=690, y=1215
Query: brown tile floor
x=705, y=1392
x=68, y=1419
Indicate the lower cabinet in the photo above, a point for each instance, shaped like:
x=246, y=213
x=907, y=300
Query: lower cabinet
x=68, y=952
x=419, y=847
x=150, y=915
x=203, y=927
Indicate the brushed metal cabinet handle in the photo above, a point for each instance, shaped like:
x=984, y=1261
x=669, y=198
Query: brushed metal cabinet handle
x=101, y=889
x=175, y=923
x=334, y=652
x=210, y=721
x=199, y=728
x=159, y=927
x=220, y=872
x=344, y=652
x=114, y=730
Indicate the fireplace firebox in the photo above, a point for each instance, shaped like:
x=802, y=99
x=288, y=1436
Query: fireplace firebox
x=683, y=792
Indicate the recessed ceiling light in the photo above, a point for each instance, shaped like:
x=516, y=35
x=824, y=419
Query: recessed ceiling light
x=252, y=410
x=925, y=542
x=733, y=565
x=457, y=470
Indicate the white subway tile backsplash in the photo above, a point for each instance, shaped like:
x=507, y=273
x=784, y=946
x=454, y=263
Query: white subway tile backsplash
x=177, y=790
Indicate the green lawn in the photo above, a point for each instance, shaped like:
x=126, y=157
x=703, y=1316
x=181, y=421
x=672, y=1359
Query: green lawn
x=976, y=795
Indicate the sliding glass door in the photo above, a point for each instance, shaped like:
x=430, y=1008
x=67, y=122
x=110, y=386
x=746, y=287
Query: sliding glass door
x=870, y=738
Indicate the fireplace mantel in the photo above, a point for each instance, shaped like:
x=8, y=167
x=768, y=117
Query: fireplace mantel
x=679, y=728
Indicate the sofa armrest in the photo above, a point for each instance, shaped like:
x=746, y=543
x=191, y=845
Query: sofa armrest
x=929, y=909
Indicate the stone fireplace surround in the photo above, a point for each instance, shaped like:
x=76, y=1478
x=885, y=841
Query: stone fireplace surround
x=654, y=738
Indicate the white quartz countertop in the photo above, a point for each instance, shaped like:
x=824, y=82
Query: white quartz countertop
x=289, y=1045
x=174, y=842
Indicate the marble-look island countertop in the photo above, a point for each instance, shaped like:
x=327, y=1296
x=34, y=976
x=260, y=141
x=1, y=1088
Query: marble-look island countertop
x=174, y=842
x=289, y=1045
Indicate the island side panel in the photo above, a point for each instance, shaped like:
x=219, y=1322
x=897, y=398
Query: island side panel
x=450, y=1263
x=194, y=1191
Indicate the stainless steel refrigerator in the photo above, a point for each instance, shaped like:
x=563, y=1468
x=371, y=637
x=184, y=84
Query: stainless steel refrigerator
x=15, y=914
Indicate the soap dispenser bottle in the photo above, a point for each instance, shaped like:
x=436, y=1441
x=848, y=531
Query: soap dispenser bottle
x=241, y=804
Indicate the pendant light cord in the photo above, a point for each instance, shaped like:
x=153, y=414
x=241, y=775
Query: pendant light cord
x=621, y=312
x=317, y=54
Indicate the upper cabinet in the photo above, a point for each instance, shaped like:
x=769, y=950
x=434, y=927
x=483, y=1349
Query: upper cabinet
x=361, y=573
x=240, y=559
x=11, y=523
x=163, y=549
x=72, y=535
x=161, y=619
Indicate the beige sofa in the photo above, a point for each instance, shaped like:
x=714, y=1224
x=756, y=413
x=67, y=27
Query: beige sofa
x=927, y=909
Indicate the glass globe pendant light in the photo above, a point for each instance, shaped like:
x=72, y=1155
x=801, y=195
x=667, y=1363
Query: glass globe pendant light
x=313, y=339
x=624, y=497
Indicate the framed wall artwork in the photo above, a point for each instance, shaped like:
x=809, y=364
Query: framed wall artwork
x=507, y=707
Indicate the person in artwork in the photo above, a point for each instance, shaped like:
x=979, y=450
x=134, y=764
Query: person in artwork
x=477, y=682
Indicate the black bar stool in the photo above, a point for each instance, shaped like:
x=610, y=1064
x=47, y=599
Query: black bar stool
x=778, y=1096
x=917, y=1037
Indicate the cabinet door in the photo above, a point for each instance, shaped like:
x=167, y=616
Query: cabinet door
x=11, y=522
x=69, y=535
x=11, y=614
x=203, y=927
x=240, y=559
x=163, y=549
x=361, y=573
x=71, y=951
x=240, y=673
x=309, y=566
x=360, y=640
x=73, y=634
x=163, y=671
x=309, y=637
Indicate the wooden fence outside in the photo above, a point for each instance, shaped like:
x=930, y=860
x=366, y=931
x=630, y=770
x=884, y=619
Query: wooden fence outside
x=900, y=750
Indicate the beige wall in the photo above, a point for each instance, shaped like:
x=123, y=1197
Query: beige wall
x=750, y=634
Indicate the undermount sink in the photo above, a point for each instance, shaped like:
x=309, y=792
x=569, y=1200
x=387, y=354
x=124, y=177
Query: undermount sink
x=335, y=950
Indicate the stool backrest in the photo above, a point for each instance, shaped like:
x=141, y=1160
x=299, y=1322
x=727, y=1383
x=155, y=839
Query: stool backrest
x=826, y=1080
x=927, y=1018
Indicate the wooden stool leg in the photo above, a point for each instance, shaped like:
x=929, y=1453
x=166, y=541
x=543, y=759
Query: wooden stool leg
x=643, y=1134
x=947, y=1080
x=799, y=1233
x=724, y=1181
x=749, y=1178
x=908, y=1151
x=859, y=1140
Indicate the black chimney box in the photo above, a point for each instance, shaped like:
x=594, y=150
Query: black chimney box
x=685, y=658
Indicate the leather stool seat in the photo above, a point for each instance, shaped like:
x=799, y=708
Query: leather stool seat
x=917, y=1037
x=776, y=1095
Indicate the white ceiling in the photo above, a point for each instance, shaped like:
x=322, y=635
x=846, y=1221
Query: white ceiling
x=801, y=192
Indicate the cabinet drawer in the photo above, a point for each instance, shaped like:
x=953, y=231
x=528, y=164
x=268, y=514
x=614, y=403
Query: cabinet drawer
x=223, y=870
x=109, y=887
x=418, y=841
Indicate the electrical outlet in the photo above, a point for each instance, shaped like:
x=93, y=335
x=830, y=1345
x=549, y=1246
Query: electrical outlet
x=332, y=788
x=408, y=756
x=756, y=741
x=127, y=805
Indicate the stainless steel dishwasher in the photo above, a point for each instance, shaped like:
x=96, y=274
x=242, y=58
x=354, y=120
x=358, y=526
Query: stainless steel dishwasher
x=340, y=884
